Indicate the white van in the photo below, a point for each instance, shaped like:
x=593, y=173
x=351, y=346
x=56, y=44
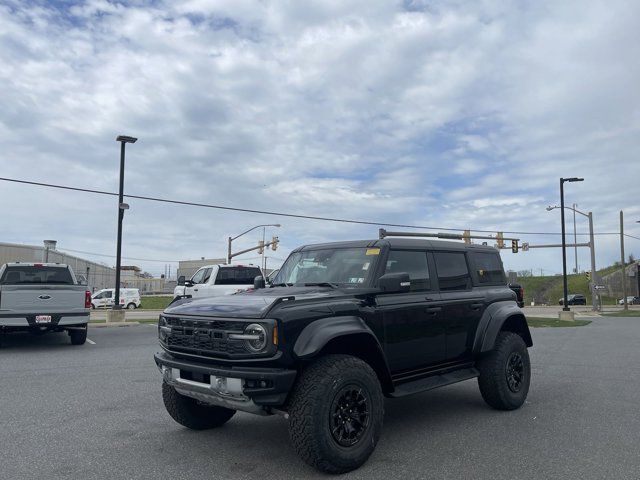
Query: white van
x=129, y=298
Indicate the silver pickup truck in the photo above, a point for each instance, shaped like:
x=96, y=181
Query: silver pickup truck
x=41, y=298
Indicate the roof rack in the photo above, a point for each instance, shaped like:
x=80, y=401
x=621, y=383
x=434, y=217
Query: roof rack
x=382, y=233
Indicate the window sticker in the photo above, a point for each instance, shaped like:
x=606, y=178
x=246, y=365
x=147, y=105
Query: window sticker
x=365, y=266
x=372, y=251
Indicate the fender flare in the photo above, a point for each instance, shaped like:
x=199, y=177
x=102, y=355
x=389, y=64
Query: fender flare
x=318, y=334
x=492, y=321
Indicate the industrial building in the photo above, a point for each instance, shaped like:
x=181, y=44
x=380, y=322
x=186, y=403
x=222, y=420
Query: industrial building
x=97, y=275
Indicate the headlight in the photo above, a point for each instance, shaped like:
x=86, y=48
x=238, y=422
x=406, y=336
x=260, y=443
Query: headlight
x=254, y=336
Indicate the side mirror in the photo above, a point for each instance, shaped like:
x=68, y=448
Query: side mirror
x=181, y=280
x=394, y=283
x=259, y=282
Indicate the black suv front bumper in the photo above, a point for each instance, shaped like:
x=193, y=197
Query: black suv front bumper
x=248, y=389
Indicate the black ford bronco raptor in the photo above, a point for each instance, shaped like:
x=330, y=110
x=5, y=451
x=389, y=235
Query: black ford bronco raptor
x=341, y=326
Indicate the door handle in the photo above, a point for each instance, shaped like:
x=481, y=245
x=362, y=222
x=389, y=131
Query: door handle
x=195, y=289
x=433, y=310
x=476, y=306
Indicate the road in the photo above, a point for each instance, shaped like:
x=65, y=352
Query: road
x=95, y=412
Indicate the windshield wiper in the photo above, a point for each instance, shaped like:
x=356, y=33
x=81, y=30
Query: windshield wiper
x=322, y=284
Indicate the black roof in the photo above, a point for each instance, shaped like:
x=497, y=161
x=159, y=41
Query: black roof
x=399, y=242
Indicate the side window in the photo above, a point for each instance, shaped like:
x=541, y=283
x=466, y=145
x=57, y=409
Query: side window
x=411, y=262
x=108, y=294
x=207, y=275
x=453, y=273
x=488, y=268
x=199, y=275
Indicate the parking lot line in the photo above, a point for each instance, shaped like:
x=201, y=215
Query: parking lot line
x=91, y=341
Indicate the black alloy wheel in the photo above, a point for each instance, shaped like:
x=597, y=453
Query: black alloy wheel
x=349, y=415
x=515, y=372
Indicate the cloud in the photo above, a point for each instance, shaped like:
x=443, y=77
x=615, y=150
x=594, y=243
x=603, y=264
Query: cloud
x=457, y=114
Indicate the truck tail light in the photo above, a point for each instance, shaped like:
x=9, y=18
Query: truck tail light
x=87, y=299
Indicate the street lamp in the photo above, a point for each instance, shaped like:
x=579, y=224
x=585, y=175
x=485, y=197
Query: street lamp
x=565, y=307
x=592, y=248
x=231, y=239
x=123, y=139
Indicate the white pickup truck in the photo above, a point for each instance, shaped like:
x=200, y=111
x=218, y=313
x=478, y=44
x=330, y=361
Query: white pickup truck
x=217, y=280
x=43, y=297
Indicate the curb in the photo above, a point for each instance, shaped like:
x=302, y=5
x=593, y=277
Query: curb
x=112, y=324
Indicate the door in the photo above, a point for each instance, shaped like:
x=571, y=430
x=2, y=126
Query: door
x=461, y=306
x=201, y=283
x=414, y=332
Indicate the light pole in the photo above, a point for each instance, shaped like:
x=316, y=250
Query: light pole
x=575, y=239
x=123, y=139
x=592, y=248
x=565, y=307
x=231, y=239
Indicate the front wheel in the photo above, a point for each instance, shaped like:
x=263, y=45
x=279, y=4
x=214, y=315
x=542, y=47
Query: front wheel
x=505, y=373
x=335, y=413
x=192, y=414
x=131, y=306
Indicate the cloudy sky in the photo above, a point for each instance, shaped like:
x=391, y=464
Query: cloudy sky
x=445, y=114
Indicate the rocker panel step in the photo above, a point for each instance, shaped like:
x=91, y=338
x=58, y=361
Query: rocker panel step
x=435, y=381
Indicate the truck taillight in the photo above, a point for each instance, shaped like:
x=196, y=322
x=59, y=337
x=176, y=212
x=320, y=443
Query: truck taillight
x=87, y=299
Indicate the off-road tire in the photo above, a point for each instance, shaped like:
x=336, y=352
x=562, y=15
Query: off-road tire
x=310, y=408
x=189, y=413
x=78, y=337
x=493, y=367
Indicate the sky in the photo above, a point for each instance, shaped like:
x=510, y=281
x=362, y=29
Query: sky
x=458, y=114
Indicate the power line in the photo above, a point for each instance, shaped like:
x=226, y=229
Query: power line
x=279, y=214
x=113, y=256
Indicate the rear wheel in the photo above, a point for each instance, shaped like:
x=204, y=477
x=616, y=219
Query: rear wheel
x=192, y=414
x=505, y=373
x=79, y=336
x=335, y=413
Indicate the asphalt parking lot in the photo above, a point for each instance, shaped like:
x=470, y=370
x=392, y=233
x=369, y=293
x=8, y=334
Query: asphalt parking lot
x=95, y=411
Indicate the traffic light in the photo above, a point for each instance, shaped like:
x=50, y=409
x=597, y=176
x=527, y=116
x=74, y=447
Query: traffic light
x=514, y=246
x=274, y=243
x=261, y=245
x=500, y=240
x=466, y=236
x=588, y=274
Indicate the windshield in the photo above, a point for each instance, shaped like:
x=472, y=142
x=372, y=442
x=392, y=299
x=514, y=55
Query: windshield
x=341, y=266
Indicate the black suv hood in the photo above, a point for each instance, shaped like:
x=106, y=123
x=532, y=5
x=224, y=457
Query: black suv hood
x=250, y=304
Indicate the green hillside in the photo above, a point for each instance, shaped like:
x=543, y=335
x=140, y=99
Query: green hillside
x=548, y=289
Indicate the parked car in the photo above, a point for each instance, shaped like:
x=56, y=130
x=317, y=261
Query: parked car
x=574, y=299
x=216, y=280
x=631, y=300
x=341, y=326
x=105, y=298
x=41, y=298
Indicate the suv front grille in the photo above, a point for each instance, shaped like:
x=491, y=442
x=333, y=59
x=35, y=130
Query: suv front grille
x=204, y=337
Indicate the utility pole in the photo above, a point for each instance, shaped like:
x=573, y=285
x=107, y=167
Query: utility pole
x=594, y=275
x=624, y=270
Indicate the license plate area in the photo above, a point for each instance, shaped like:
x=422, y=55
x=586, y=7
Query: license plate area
x=43, y=318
